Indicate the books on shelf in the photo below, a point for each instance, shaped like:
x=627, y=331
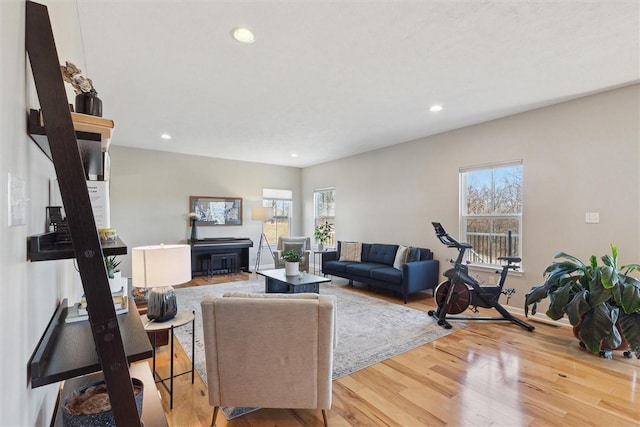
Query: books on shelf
x=78, y=312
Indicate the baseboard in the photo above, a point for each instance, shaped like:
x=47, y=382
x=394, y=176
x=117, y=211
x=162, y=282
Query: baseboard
x=538, y=317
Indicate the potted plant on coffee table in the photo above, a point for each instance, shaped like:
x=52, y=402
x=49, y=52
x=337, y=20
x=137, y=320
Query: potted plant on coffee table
x=292, y=260
x=602, y=302
x=322, y=233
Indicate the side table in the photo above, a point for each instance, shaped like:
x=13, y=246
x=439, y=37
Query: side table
x=181, y=319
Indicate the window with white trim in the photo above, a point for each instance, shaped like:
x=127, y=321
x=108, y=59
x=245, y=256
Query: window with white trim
x=281, y=201
x=324, y=202
x=491, y=211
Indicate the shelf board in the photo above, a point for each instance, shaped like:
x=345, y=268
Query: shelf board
x=152, y=412
x=42, y=247
x=67, y=350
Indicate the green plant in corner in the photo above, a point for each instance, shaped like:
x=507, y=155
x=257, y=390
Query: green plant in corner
x=600, y=300
x=292, y=256
x=322, y=232
x=112, y=265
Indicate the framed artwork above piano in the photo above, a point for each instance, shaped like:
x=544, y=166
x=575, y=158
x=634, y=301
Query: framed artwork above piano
x=219, y=255
x=216, y=210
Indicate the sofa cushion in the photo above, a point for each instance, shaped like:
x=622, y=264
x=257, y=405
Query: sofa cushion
x=387, y=274
x=381, y=254
x=362, y=268
x=401, y=257
x=350, y=251
x=336, y=266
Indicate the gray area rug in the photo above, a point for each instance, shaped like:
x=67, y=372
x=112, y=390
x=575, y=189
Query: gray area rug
x=369, y=330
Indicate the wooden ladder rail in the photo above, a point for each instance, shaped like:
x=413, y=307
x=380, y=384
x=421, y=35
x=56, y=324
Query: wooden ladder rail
x=45, y=66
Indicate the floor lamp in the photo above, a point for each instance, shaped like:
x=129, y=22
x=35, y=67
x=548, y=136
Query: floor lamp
x=262, y=214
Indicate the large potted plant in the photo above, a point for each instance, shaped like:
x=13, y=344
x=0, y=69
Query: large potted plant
x=322, y=234
x=602, y=302
x=292, y=260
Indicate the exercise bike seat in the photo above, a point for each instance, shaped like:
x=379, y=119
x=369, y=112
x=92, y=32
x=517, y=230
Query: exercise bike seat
x=510, y=259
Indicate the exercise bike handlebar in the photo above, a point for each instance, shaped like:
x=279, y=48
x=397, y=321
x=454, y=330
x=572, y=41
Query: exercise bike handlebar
x=446, y=239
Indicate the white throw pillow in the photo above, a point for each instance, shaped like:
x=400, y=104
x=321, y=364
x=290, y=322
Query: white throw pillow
x=350, y=251
x=401, y=257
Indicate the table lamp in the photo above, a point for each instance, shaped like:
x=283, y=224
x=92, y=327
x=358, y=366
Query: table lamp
x=159, y=267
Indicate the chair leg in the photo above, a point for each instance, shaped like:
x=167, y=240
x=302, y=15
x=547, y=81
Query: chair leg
x=215, y=415
x=324, y=417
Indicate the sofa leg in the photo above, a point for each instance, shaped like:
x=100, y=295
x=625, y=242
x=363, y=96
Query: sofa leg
x=215, y=415
x=351, y=282
x=324, y=417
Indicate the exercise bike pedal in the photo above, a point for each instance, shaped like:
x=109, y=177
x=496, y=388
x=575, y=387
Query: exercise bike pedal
x=509, y=291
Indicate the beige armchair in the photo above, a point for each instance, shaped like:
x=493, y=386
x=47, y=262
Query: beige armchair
x=296, y=243
x=269, y=350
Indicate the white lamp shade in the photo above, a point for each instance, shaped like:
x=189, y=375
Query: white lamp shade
x=261, y=214
x=160, y=265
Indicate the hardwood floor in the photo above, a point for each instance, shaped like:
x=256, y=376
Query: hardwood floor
x=488, y=374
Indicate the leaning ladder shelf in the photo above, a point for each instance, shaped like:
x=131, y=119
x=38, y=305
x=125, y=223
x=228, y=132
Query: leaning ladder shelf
x=61, y=136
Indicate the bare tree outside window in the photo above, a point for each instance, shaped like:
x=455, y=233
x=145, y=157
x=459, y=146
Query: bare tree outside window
x=325, y=210
x=491, y=217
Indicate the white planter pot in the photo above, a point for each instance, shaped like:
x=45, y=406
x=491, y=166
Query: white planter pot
x=115, y=284
x=291, y=268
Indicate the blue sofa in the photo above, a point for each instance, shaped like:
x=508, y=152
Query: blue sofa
x=376, y=269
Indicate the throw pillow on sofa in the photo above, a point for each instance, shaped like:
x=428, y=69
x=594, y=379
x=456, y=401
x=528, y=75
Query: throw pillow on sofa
x=401, y=257
x=350, y=251
x=413, y=254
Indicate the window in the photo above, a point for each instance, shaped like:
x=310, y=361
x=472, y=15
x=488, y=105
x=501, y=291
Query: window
x=281, y=203
x=325, y=210
x=491, y=211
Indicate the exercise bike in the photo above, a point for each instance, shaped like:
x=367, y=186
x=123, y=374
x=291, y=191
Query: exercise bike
x=459, y=291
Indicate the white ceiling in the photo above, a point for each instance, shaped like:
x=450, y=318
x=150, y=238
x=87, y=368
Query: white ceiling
x=328, y=80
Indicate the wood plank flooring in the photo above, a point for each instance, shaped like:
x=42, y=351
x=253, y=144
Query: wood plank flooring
x=488, y=374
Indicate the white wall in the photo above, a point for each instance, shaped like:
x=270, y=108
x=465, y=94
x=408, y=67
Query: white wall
x=30, y=292
x=150, y=195
x=579, y=156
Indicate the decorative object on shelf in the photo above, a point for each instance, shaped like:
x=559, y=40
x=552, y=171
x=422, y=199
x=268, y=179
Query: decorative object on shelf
x=91, y=405
x=322, y=233
x=159, y=267
x=194, y=217
x=262, y=214
x=217, y=210
x=292, y=262
x=108, y=235
x=114, y=275
x=87, y=100
x=602, y=300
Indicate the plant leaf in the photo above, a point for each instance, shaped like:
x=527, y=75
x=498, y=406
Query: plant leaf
x=597, y=325
x=629, y=295
x=630, y=325
x=577, y=307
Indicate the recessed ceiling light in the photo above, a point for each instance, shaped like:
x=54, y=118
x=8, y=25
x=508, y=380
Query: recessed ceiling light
x=435, y=108
x=243, y=35
x=165, y=136
x=294, y=155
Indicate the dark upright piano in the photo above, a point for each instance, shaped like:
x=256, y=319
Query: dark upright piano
x=219, y=255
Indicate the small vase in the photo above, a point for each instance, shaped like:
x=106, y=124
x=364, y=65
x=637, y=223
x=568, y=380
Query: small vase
x=320, y=247
x=89, y=103
x=194, y=230
x=291, y=268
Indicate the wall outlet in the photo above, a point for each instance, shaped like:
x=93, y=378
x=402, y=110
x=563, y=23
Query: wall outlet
x=592, y=217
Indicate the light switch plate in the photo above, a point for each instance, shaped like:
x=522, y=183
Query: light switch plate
x=592, y=217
